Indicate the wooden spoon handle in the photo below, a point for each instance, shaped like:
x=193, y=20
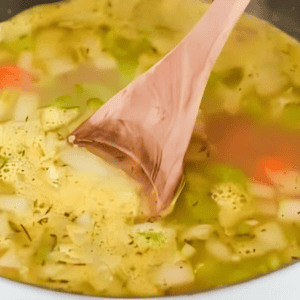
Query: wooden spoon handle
x=152, y=120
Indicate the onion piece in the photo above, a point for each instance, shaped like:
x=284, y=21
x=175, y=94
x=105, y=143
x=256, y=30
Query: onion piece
x=10, y=260
x=174, y=275
x=289, y=210
x=198, y=232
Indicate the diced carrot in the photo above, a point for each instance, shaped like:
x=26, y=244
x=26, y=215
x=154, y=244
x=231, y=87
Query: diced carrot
x=14, y=77
x=265, y=165
x=274, y=164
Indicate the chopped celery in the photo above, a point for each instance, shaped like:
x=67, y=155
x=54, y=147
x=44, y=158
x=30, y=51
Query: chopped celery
x=123, y=48
x=127, y=69
x=23, y=43
x=94, y=103
x=63, y=101
x=290, y=116
x=253, y=106
x=94, y=91
x=198, y=200
x=201, y=206
x=47, y=244
x=224, y=173
x=53, y=117
x=234, y=202
x=153, y=237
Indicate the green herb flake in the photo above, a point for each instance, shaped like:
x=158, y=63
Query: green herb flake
x=3, y=161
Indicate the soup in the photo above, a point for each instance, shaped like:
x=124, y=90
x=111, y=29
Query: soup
x=68, y=218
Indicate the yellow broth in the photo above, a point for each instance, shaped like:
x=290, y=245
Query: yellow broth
x=67, y=218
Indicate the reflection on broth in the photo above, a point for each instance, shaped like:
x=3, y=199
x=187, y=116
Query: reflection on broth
x=68, y=219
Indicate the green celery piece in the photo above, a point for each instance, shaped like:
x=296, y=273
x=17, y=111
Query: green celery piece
x=198, y=200
x=94, y=91
x=94, y=103
x=124, y=48
x=118, y=46
x=127, y=69
x=253, y=106
x=290, y=116
x=48, y=242
x=223, y=173
x=126, y=51
x=23, y=43
x=201, y=206
x=155, y=237
x=63, y=101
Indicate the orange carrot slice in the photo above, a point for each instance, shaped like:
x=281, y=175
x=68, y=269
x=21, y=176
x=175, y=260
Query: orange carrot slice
x=14, y=77
x=267, y=165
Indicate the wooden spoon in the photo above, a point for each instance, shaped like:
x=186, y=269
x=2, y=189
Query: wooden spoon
x=146, y=128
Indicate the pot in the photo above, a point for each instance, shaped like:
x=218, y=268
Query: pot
x=281, y=284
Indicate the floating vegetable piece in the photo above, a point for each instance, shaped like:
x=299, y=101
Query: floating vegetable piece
x=13, y=77
x=53, y=117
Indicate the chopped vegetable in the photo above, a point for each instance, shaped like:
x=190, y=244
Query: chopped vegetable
x=8, y=99
x=234, y=203
x=10, y=260
x=224, y=173
x=177, y=275
x=53, y=117
x=266, y=238
x=289, y=210
x=70, y=221
x=188, y=251
x=26, y=107
x=13, y=77
x=63, y=101
x=220, y=250
x=94, y=103
x=270, y=80
x=198, y=232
